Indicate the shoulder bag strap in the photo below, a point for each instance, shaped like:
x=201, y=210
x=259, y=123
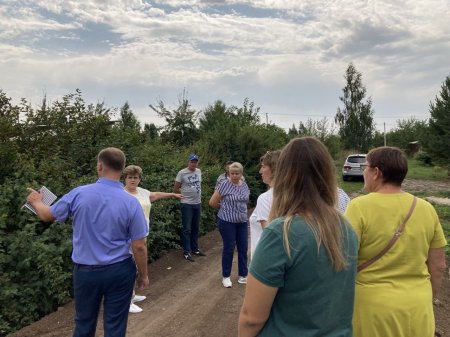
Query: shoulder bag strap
x=397, y=234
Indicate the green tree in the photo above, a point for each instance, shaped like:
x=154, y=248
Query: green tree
x=247, y=114
x=407, y=130
x=151, y=131
x=236, y=133
x=126, y=132
x=181, y=122
x=127, y=118
x=321, y=129
x=10, y=131
x=69, y=132
x=438, y=138
x=355, y=119
x=293, y=132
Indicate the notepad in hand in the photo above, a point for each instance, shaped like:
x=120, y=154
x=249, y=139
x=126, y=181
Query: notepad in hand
x=47, y=198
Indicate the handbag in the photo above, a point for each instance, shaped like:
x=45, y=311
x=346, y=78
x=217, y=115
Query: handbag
x=397, y=234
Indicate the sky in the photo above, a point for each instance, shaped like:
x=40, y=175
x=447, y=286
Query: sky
x=287, y=56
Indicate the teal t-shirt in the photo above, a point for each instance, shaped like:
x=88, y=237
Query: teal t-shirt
x=312, y=299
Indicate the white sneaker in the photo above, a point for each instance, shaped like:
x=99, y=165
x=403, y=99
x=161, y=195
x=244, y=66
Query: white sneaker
x=226, y=282
x=138, y=298
x=242, y=280
x=134, y=308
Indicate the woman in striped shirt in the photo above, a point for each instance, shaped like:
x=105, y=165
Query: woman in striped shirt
x=231, y=198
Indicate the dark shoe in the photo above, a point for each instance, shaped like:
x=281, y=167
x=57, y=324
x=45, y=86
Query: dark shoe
x=188, y=257
x=199, y=253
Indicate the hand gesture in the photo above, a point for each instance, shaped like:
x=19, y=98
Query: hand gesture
x=33, y=196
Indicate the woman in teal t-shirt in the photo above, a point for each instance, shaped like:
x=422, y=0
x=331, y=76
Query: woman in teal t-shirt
x=302, y=276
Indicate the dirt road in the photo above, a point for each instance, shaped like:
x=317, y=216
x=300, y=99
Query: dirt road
x=187, y=299
x=184, y=299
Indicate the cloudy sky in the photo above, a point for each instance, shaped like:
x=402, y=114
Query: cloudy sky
x=288, y=56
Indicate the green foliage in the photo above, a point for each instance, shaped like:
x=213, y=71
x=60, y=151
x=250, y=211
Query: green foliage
x=36, y=274
x=151, y=132
x=321, y=129
x=9, y=133
x=232, y=133
x=378, y=139
x=424, y=158
x=417, y=170
x=57, y=146
x=443, y=212
x=438, y=137
x=355, y=120
x=181, y=126
x=407, y=130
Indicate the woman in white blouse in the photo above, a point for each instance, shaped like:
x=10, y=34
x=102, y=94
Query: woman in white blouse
x=132, y=175
x=258, y=219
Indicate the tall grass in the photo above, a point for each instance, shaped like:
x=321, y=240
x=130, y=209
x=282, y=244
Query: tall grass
x=416, y=170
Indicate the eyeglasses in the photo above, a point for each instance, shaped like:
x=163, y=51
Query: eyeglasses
x=364, y=166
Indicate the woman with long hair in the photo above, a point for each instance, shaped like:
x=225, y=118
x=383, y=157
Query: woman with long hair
x=301, y=279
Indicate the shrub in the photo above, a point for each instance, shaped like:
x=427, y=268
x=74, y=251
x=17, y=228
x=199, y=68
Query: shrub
x=424, y=158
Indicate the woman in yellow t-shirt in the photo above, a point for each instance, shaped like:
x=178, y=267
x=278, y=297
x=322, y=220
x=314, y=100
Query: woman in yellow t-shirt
x=394, y=295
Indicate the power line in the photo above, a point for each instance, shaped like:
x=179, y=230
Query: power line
x=323, y=115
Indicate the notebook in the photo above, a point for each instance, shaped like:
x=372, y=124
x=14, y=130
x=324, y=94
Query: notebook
x=47, y=198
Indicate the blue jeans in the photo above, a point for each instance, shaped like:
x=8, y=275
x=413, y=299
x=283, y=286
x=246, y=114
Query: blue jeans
x=190, y=221
x=234, y=234
x=114, y=284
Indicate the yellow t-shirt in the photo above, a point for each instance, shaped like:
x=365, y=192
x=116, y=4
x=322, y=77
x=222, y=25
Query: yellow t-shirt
x=376, y=216
x=393, y=296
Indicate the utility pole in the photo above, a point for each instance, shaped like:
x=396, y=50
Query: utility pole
x=384, y=133
x=267, y=118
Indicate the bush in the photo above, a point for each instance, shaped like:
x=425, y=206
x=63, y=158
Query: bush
x=36, y=273
x=424, y=158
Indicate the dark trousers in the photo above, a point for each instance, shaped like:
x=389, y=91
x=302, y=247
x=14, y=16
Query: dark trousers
x=234, y=234
x=190, y=221
x=114, y=284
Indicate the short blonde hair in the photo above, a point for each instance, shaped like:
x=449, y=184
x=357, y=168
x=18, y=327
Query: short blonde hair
x=236, y=165
x=132, y=170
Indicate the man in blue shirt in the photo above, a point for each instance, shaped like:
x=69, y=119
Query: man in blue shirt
x=107, y=222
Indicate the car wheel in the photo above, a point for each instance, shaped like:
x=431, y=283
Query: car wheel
x=344, y=178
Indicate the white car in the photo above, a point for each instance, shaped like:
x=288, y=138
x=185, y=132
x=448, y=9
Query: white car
x=353, y=167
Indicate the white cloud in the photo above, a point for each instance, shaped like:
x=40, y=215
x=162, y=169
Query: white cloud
x=287, y=56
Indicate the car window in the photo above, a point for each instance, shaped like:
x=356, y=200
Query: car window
x=356, y=160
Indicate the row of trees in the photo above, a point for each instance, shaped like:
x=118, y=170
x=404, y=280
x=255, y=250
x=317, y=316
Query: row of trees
x=354, y=120
x=56, y=145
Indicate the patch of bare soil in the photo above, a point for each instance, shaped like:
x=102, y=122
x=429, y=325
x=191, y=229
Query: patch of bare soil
x=429, y=186
x=419, y=186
